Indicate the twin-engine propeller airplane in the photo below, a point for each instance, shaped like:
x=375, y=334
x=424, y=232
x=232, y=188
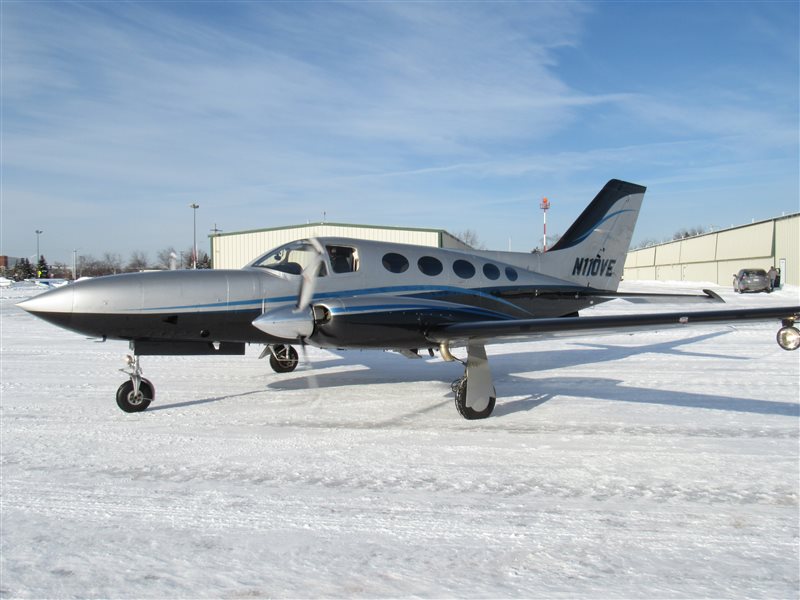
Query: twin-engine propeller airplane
x=349, y=293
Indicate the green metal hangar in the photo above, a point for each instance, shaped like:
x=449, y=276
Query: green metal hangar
x=716, y=256
x=236, y=249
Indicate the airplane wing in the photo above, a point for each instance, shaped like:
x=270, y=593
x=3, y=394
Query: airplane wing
x=708, y=296
x=570, y=326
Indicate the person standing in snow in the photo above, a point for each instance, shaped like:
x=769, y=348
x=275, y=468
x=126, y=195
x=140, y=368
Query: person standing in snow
x=773, y=274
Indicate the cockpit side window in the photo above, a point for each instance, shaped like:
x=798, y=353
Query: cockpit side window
x=344, y=259
x=292, y=258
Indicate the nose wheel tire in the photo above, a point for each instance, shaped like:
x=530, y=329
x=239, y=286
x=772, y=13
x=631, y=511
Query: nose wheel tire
x=131, y=402
x=283, y=359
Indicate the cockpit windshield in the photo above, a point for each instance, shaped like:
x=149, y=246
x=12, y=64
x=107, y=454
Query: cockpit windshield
x=291, y=258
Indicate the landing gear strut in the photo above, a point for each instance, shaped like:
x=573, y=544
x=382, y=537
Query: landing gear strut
x=135, y=394
x=283, y=359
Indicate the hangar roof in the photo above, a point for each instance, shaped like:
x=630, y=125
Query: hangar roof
x=331, y=224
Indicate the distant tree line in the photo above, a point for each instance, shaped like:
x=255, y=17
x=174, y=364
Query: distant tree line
x=110, y=264
x=681, y=234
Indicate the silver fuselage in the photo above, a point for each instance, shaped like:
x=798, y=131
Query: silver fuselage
x=369, y=306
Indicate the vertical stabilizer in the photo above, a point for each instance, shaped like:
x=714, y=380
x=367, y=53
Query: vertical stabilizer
x=592, y=252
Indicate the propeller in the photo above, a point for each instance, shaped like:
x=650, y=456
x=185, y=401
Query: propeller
x=296, y=323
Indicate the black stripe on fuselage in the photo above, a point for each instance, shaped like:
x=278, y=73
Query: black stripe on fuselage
x=389, y=328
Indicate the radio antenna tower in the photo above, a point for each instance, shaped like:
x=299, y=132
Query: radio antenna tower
x=545, y=205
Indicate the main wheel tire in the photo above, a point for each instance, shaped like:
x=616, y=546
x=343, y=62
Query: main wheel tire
x=470, y=413
x=286, y=360
x=130, y=402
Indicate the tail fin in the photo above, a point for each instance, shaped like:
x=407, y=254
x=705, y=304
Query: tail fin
x=592, y=252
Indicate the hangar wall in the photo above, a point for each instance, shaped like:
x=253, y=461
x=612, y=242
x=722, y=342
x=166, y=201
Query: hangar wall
x=716, y=256
x=236, y=249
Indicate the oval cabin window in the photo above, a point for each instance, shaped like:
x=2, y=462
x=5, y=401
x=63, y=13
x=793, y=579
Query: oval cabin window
x=491, y=271
x=430, y=266
x=396, y=263
x=463, y=269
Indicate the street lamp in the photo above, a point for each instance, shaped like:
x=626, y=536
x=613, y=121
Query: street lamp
x=194, y=208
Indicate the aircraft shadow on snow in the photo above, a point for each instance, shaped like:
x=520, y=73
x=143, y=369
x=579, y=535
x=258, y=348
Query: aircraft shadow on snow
x=202, y=401
x=387, y=369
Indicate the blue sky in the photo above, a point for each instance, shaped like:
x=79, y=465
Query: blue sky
x=117, y=116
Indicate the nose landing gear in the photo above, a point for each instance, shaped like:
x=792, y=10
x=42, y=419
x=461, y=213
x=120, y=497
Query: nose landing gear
x=135, y=394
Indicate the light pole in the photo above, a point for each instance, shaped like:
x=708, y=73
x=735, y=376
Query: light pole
x=194, y=208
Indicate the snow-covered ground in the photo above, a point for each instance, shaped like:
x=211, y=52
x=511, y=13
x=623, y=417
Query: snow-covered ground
x=659, y=464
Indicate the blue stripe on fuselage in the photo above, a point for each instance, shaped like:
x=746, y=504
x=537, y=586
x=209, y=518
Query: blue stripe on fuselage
x=462, y=308
x=255, y=302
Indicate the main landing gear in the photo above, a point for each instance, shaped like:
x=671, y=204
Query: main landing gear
x=136, y=394
x=471, y=413
x=474, y=393
x=283, y=358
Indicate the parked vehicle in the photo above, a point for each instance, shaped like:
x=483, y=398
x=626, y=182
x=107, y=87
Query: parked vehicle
x=751, y=280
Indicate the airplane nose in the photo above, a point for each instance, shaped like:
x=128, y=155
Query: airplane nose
x=58, y=301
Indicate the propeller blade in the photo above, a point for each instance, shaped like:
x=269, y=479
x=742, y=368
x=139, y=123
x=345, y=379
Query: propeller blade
x=310, y=274
x=312, y=378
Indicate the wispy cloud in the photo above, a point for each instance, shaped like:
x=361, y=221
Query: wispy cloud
x=384, y=112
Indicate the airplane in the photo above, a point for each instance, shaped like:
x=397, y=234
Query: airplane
x=351, y=293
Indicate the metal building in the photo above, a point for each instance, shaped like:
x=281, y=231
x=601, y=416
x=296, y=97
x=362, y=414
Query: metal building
x=236, y=249
x=717, y=255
